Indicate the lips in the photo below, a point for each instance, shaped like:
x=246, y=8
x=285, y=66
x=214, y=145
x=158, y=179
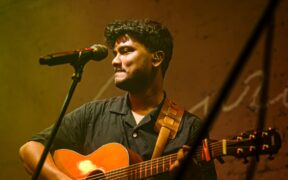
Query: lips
x=118, y=70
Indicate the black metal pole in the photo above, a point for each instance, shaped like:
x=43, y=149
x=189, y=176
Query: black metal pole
x=266, y=64
x=76, y=78
x=228, y=84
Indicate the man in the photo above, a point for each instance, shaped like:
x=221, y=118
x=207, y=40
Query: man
x=142, y=52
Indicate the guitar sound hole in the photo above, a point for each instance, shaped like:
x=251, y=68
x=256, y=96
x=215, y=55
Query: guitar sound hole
x=95, y=175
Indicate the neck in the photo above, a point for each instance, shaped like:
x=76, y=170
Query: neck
x=144, y=103
x=146, y=100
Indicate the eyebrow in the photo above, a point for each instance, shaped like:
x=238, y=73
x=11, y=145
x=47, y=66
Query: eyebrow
x=124, y=46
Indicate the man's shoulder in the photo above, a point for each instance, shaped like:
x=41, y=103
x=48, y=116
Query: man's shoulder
x=188, y=118
x=187, y=114
x=107, y=100
x=191, y=118
x=191, y=115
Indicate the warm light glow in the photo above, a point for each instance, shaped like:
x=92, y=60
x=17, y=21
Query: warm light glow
x=86, y=166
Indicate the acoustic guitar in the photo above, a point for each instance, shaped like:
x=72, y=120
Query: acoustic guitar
x=114, y=161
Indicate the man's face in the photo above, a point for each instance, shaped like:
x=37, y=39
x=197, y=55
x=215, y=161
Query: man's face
x=132, y=64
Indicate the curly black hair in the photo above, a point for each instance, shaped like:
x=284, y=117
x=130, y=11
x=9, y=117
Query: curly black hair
x=152, y=34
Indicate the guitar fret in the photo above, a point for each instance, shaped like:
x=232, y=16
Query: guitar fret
x=145, y=169
x=155, y=169
x=148, y=169
x=140, y=171
x=166, y=165
x=136, y=173
x=170, y=161
x=161, y=169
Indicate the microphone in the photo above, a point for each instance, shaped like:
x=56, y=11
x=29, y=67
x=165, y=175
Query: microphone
x=96, y=52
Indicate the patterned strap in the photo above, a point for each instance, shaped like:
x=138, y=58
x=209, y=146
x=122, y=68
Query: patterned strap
x=167, y=125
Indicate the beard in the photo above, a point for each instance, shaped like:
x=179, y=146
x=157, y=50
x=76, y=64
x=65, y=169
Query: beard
x=137, y=82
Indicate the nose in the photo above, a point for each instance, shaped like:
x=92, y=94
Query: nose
x=116, y=61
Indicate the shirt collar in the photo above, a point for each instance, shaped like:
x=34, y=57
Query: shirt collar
x=120, y=105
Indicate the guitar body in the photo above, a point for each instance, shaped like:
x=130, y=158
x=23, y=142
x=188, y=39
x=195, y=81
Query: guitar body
x=107, y=158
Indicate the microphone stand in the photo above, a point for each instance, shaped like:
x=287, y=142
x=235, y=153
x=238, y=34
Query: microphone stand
x=227, y=86
x=76, y=77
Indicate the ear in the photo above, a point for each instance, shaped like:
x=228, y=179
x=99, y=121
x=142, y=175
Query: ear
x=157, y=58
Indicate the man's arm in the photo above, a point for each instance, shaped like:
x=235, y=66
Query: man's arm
x=30, y=154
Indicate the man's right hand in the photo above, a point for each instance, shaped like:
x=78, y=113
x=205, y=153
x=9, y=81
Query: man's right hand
x=30, y=153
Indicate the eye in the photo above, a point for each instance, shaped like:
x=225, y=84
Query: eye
x=126, y=49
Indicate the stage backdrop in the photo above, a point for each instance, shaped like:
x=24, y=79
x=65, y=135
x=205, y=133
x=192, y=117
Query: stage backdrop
x=209, y=36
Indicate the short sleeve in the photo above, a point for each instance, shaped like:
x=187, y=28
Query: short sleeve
x=70, y=133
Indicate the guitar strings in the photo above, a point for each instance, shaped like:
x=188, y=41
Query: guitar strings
x=155, y=163
x=145, y=172
x=149, y=164
x=127, y=173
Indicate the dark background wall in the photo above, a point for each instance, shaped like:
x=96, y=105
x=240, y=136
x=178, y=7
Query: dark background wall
x=208, y=34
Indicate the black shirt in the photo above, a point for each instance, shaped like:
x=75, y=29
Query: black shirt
x=110, y=120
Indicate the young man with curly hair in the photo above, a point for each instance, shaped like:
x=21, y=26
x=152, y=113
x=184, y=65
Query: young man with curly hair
x=142, y=51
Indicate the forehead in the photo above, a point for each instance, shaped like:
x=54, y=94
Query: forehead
x=126, y=40
x=123, y=39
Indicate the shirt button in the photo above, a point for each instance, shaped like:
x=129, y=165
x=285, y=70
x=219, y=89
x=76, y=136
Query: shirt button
x=134, y=134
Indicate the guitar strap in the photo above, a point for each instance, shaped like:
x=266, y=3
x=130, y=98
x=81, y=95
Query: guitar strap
x=167, y=125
